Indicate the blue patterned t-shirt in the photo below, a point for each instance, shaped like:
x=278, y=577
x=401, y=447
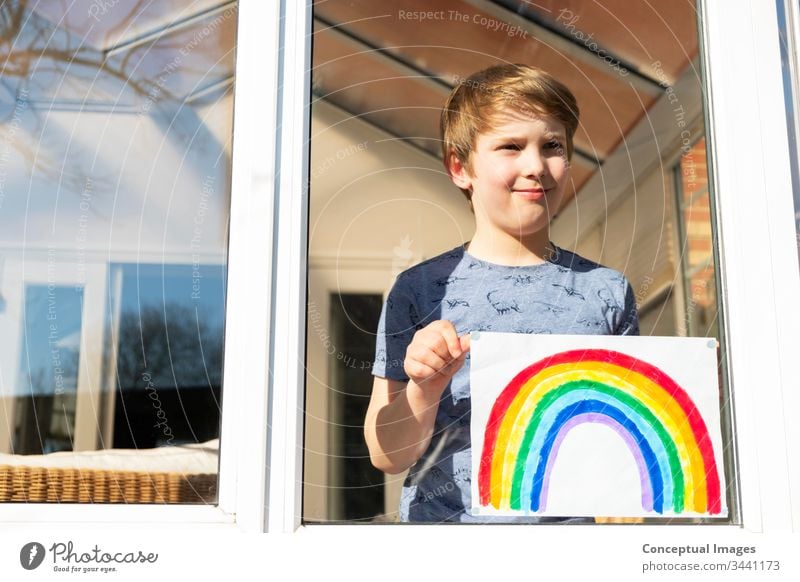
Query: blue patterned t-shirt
x=568, y=295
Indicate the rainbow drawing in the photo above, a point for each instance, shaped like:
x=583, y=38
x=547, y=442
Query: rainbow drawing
x=656, y=418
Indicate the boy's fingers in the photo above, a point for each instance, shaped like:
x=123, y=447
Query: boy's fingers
x=466, y=342
x=428, y=357
x=421, y=373
x=421, y=363
x=449, y=334
x=435, y=341
x=440, y=337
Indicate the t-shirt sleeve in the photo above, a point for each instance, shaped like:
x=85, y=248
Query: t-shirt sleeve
x=629, y=319
x=398, y=323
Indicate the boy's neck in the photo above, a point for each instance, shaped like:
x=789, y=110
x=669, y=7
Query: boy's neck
x=510, y=251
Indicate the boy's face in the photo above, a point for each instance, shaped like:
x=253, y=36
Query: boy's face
x=519, y=173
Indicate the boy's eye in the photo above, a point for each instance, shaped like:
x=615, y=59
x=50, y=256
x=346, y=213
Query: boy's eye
x=553, y=145
x=510, y=146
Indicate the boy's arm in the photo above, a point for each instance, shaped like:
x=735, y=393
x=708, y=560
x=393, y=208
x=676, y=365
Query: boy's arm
x=401, y=415
x=399, y=423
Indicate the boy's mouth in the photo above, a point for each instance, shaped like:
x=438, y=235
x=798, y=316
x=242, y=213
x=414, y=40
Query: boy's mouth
x=531, y=193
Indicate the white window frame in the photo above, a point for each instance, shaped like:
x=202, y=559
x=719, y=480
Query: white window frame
x=261, y=441
x=758, y=262
x=759, y=270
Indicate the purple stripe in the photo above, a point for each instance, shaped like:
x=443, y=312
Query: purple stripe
x=647, y=490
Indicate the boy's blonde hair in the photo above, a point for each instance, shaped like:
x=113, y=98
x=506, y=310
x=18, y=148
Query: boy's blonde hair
x=475, y=102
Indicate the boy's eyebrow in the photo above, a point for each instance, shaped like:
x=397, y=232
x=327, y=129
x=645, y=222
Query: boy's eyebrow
x=514, y=137
x=557, y=134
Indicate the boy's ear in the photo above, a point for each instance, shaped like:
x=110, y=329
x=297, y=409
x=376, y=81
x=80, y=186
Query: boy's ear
x=458, y=173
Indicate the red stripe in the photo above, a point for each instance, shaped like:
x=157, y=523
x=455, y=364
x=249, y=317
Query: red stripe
x=510, y=392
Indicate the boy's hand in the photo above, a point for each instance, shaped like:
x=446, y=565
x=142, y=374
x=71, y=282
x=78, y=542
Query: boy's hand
x=434, y=355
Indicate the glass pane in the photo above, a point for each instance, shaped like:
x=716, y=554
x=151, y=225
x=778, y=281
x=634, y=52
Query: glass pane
x=115, y=141
x=638, y=199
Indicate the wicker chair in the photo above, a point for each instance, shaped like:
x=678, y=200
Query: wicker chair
x=57, y=485
x=46, y=479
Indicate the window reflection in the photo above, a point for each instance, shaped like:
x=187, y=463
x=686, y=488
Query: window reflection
x=48, y=371
x=169, y=362
x=115, y=134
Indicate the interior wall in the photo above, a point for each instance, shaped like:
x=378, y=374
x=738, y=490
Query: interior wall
x=371, y=193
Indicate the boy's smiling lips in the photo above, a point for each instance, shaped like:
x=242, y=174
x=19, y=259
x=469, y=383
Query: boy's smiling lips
x=532, y=193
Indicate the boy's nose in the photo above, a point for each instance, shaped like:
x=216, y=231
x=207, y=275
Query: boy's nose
x=533, y=163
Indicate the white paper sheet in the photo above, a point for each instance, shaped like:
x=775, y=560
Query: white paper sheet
x=622, y=446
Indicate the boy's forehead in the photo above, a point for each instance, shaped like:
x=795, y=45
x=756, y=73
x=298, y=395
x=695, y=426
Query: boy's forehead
x=510, y=119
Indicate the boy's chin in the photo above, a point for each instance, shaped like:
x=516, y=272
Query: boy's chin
x=528, y=231
x=533, y=226
x=523, y=225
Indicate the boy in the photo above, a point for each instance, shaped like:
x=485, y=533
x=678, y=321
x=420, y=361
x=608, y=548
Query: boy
x=506, y=141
